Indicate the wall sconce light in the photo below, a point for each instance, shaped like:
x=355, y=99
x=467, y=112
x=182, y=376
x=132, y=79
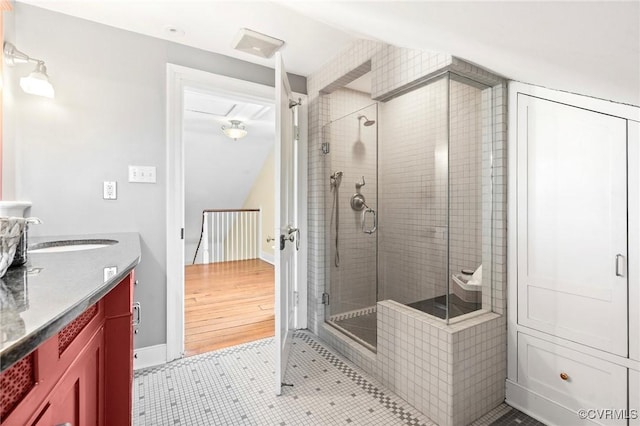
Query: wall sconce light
x=36, y=83
x=236, y=131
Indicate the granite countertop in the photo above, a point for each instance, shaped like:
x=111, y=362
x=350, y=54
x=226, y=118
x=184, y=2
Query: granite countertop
x=38, y=299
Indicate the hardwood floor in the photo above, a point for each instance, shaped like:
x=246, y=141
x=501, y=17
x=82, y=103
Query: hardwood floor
x=227, y=303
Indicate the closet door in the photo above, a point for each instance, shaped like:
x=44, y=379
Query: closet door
x=572, y=223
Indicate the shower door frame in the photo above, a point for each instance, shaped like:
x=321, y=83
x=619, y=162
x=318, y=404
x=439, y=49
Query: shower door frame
x=328, y=240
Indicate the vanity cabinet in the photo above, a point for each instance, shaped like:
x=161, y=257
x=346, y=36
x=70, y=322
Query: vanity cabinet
x=82, y=375
x=574, y=216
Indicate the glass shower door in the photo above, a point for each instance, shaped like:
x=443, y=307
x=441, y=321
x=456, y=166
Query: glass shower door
x=351, y=203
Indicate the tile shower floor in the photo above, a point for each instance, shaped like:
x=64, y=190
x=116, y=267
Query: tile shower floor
x=362, y=326
x=234, y=386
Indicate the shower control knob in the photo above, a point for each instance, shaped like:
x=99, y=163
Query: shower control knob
x=357, y=202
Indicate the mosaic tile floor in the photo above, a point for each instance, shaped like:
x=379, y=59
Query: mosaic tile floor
x=234, y=386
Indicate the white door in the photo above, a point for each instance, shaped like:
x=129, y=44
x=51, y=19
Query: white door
x=572, y=223
x=286, y=220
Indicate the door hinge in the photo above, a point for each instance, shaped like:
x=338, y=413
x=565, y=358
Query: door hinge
x=325, y=298
x=326, y=147
x=296, y=298
x=182, y=233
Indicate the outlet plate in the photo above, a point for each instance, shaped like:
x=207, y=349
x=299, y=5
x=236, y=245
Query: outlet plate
x=108, y=272
x=142, y=174
x=109, y=191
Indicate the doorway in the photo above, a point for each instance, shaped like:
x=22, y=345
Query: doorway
x=178, y=79
x=229, y=208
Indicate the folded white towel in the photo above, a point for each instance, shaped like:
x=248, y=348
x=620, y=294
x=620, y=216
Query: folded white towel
x=476, y=278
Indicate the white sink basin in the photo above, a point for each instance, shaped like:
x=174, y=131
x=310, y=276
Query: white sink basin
x=69, y=245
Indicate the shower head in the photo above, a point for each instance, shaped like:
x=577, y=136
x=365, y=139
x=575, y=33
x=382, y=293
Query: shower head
x=367, y=122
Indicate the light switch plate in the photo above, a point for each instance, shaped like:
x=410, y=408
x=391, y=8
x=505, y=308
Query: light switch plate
x=142, y=174
x=109, y=191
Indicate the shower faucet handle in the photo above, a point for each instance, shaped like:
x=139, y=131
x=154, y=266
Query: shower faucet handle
x=360, y=185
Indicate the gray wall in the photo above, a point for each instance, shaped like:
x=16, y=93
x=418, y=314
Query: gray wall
x=109, y=112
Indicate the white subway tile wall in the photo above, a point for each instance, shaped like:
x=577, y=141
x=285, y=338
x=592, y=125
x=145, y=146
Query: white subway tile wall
x=452, y=373
x=413, y=190
x=499, y=200
x=465, y=179
x=395, y=68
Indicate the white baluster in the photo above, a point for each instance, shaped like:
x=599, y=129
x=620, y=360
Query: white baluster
x=205, y=238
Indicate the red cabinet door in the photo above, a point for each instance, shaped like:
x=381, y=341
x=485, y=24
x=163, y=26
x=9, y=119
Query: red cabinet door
x=77, y=398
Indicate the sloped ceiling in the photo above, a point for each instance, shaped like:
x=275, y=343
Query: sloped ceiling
x=587, y=47
x=218, y=169
x=212, y=25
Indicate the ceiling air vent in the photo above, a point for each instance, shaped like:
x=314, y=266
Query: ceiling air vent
x=255, y=43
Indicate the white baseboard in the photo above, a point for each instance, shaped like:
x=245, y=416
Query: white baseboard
x=267, y=257
x=149, y=356
x=548, y=412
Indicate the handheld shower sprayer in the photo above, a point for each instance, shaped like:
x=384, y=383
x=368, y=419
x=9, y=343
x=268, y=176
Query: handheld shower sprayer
x=335, y=179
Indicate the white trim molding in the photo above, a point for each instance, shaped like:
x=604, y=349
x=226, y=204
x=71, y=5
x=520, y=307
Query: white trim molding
x=267, y=257
x=149, y=356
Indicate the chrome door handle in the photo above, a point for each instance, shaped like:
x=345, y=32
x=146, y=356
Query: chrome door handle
x=364, y=221
x=294, y=235
x=619, y=261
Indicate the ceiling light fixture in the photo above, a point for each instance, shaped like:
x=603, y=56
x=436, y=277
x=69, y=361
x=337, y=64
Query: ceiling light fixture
x=37, y=83
x=236, y=131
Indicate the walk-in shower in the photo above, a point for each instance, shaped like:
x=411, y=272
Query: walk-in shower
x=412, y=220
